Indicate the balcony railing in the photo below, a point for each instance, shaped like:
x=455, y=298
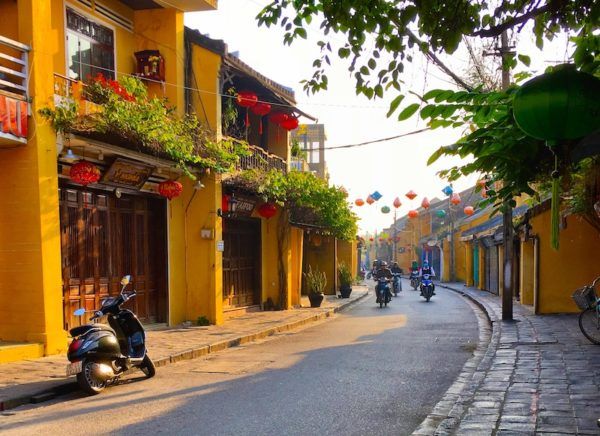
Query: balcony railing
x=262, y=160
x=14, y=97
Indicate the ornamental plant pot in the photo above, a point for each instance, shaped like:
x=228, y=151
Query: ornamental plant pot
x=315, y=299
x=345, y=291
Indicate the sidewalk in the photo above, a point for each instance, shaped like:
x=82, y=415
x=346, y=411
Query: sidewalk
x=36, y=380
x=534, y=375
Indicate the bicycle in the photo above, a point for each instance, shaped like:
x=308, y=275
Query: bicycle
x=589, y=318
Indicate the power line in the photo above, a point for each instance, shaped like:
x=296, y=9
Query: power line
x=374, y=141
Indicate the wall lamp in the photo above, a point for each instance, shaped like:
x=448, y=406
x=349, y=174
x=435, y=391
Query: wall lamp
x=229, y=206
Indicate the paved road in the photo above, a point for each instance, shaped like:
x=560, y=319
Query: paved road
x=368, y=371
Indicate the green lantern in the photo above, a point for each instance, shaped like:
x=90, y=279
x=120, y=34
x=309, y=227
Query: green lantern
x=558, y=106
x=440, y=213
x=385, y=209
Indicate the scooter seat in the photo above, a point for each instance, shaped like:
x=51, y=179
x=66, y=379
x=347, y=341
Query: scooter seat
x=83, y=329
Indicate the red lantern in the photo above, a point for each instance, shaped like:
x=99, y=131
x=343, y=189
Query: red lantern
x=278, y=117
x=267, y=210
x=359, y=202
x=455, y=199
x=371, y=239
x=413, y=213
x=469, y=210
x=380, y=239
x=246, y=99
x=290, y=124
x=411, y=194
x=370, y=200
x=170, y=189
x=261, y=109
x=84, y=173
x=397, y=203
x=425, y=203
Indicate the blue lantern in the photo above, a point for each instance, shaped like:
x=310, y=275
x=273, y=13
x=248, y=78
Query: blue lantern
x=448, y=190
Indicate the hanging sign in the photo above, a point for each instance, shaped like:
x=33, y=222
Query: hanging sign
x=244, y=206
x=127, y=173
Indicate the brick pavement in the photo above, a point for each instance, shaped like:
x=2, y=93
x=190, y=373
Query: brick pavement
x=534, y=375
x=36, y=380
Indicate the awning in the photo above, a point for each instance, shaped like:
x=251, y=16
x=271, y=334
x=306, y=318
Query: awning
x=489, y=227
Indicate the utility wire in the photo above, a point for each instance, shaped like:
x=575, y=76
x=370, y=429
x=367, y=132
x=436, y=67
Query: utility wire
x=360, y=144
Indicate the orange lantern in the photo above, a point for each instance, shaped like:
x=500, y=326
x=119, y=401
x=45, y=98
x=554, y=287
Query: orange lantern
x=413, y=213
x=455, y=199
x=359, y=202
x=170, y=189
x=371, y=239
x=425, y=203
x=397, y=203
x=411, y=194
x=370, y=200
x=469, y=210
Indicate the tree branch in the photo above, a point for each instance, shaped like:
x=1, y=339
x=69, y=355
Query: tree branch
x=460, y=82
x=511, y=22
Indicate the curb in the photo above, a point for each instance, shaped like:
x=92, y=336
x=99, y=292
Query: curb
x=194, y=353
x=446, y=414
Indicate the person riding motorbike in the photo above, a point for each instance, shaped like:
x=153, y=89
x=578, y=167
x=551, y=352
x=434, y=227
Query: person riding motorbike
x=396, y=272
x=427, y=269
x=382, y=272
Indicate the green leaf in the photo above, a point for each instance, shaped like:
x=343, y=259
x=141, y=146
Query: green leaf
x=301, y=32
x=432, y=94
x=394, y=105
x=408, y=111
x=525, y=60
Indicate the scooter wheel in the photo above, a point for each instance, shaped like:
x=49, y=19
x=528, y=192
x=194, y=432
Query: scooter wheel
x=148, y=367
x=86, y=380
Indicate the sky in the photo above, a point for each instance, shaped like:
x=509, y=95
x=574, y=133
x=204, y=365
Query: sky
x=393, y=167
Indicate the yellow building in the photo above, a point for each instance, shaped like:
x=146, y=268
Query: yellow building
x=208, y=252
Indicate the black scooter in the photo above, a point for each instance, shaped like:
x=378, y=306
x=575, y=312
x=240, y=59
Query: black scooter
x=99, y=353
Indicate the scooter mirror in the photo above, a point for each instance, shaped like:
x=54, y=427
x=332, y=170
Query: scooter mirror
x=79, y=312
x=125, y=280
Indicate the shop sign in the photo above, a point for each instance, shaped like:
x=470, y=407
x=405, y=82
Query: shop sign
x=245, y=206
x=127, y=173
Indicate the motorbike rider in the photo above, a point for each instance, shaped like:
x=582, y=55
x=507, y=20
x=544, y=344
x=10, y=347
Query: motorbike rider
x=427, y=269
x=396, y=268
x=382, y=272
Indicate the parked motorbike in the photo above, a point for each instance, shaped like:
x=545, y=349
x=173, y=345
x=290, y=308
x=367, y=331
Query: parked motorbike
x=415, y=280
x=100, y=353
x=382, y=290
x=427, y=287
x=396, y=284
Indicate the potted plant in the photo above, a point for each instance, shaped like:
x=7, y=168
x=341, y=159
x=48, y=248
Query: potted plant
x=315, y=283
x=345, y=279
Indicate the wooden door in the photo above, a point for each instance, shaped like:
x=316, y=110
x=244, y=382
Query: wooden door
x=241, y=263
x=104, y=238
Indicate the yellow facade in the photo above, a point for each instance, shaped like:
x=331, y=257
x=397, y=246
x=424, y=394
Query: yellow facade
x=572, y=266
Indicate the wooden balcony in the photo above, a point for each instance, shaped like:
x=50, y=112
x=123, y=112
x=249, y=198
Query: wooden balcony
x=262, y=160
x=14, y=96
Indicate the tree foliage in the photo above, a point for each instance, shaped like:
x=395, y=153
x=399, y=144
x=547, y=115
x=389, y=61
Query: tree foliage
x=493, y=141
x=309, y=199
x=125, y=111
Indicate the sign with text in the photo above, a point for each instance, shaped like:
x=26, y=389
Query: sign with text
x=127, y=173
x=245, y=205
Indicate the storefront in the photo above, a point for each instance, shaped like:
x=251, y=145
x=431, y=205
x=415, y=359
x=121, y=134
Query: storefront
x=109, y=229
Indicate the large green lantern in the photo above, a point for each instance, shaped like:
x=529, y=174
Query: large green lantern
x=558, y=106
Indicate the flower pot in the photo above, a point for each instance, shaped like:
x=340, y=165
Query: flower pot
x=315, y=299
x=345, y=291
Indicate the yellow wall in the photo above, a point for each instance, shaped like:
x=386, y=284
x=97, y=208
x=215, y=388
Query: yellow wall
x=206, y=69
x=321, y=257
x=347, y=254
x=469, y=263
x=270, y=264
x=162, y=29
x=527, y=272
x=30, y=275
x=574, y=265
x=297, y=254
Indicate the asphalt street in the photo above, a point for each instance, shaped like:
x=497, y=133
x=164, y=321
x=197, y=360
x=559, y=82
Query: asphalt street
x=367, y=371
